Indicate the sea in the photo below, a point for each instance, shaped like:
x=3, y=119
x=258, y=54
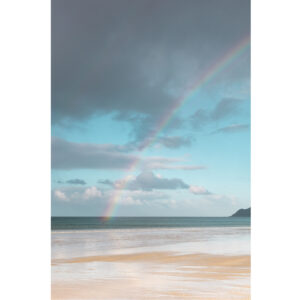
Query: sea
x=98, y=223
x=86, y=236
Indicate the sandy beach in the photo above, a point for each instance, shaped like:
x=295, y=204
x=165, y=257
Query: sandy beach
x=181, y=272
x=183, y=269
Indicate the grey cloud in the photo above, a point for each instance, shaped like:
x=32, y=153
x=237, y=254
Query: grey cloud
x=225, y=108
x=136, y=57
x=69, y=155
x=73, y=181
x=232, y=128
x=145, y=126
x=174, y=142
x=149, y=181
x=76, y=181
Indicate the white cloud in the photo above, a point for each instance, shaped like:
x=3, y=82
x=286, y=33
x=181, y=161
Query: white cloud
x=198, y=190
x=92, y=192
x=60, y=195
x=77, y=194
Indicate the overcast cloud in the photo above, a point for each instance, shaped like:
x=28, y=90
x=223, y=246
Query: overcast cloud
x=138, y=68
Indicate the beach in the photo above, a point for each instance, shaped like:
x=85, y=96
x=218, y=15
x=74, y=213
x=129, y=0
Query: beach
x=150, y=149
x=151, y=263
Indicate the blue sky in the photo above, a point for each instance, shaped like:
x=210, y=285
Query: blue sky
x=115, y=72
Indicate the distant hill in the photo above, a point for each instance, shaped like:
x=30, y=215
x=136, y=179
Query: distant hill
x=243, y=213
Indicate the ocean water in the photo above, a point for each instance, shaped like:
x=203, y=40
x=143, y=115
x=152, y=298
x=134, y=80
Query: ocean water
x=89, y=223
x=84, y=236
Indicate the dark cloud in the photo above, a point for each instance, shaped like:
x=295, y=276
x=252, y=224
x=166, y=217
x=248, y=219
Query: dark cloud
x=133, y=58
x=149, y=181
x=146, y=125
x=174, y=142
x=227, y=107
x=232, y=128
x=69, y=155
x=76, y=181
x=72, y=181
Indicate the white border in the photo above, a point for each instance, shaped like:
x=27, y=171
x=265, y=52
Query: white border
x=275, y=149
x=25, y=149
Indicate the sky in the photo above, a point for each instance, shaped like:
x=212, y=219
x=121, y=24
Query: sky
x=150, y=109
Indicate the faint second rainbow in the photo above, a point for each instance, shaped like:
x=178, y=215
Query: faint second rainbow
x=191, y=89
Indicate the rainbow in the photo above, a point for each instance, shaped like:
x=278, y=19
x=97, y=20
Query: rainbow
x=191, y=89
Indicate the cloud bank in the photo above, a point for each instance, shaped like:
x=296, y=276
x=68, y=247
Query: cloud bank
x=70, y=155
x=148, y=181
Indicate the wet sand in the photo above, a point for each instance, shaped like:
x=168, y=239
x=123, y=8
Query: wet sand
x=170, y=282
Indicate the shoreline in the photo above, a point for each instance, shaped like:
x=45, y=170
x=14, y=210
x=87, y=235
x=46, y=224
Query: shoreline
x=60, y=231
